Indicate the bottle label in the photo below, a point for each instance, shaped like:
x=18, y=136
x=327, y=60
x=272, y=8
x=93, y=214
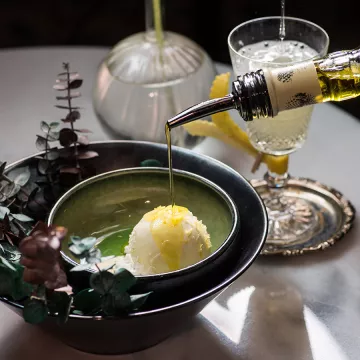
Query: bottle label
x=293, y=86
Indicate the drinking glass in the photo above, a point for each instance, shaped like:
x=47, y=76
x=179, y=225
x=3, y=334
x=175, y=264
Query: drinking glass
x=256, y=44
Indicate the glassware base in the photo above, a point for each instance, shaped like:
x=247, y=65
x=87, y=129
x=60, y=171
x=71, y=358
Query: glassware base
x=304, y=215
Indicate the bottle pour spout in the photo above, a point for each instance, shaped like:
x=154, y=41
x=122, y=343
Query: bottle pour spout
x=201, y=110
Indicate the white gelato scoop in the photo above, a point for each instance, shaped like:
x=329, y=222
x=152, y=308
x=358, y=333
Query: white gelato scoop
x=167, y=239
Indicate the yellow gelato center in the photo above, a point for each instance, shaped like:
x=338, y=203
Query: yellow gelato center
x=168, y=233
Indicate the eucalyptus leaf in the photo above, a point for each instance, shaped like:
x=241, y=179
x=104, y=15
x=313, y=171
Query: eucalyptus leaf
x=41, y=143
x=10, y=253
x=22, y=178
x=35, y=311
x=22, y=217
x=53, y=136
x=81, y=267
x=60, y=87
x=51, y=155
x=75, y=239
x=7, y=264
x=77, y=249
x=122, y=301
x=7, y=278
x=87, y=301
x=83, y=140
x=67, y=137
x=78, y=312
x=60, y=302
x=72, y=116
x=87, y=155
x=11, y=190
x=75, y=84
x=21, y=288
x=3, y=211
x=89, y=242
x=137, y=301
x=54, y=124
x=124, y=280
x=116, y=304
x=43, y=166
x=44, y=126
x=93, y=256
x=102, y=281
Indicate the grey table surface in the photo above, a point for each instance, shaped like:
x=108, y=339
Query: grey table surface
x=297, y=308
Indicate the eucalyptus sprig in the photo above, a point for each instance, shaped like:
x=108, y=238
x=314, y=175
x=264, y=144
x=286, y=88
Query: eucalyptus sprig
x=108, y=292
x=73, y=139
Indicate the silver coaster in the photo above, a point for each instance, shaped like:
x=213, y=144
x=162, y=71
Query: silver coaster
x=335, y=215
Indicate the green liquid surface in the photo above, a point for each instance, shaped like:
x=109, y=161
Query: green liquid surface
x=110, y=208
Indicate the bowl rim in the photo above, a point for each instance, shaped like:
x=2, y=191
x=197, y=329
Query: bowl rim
x=215, y=289
x=235, y=218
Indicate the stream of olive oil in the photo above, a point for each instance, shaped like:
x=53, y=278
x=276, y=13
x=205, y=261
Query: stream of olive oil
x=171, y=175
x=282, y=31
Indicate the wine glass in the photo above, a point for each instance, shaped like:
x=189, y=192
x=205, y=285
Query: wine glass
x=293, y=214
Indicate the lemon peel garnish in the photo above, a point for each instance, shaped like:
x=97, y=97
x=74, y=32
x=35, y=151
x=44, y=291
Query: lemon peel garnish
x=224, y=128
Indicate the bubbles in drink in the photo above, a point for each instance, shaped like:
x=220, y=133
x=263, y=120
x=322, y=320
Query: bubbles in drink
x=287, y=131
x=285, y=52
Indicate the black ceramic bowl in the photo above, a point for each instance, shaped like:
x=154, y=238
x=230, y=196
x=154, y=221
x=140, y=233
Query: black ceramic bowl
x=77, y=208
x=143, y=329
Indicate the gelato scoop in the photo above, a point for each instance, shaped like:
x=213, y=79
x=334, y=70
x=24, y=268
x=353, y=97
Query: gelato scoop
x=167, y=239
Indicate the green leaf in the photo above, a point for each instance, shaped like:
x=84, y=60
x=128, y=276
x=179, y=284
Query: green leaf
x=22, y=217
x=89, y=242
x=122, y=301
x=102, y=281
x=11, y=190
x=21, y=289
x=35, y=311
x=54, y=124
x=7, y=283
x=51, y=155
x=59, y=303
x=44, y=126
x=93, y=256
x=116, y=304
x=151, y=163
x=81, y=267
x=80, y=246
x=77, y=250
x=78, y=312
x=53, y=136
x=74, y=240
x=137, y=301
x=87, y=301
x=43, y=166
x=3, y=211
x=7, y=264
x=20, y=176
x=40, y=143
x=124, y=280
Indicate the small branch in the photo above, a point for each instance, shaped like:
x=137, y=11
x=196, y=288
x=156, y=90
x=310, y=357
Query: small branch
x=76, y=152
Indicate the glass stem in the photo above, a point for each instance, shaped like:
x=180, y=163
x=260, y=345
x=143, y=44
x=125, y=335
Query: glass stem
x=276, y=181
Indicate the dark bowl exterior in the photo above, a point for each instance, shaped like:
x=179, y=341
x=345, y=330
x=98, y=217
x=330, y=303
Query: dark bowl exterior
x=141, y=330
x=120, y=336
